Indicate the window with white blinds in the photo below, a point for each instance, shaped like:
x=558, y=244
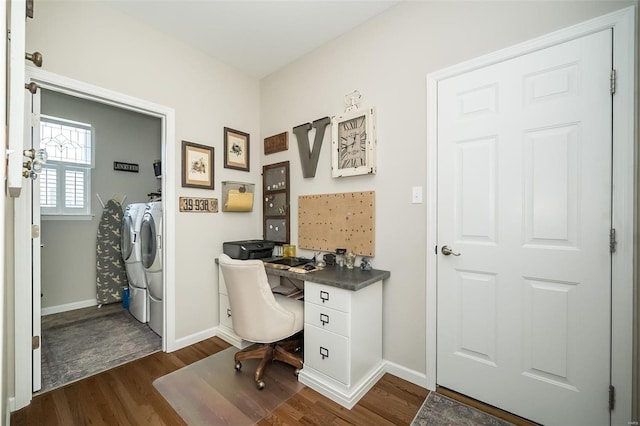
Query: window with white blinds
x=65, y=181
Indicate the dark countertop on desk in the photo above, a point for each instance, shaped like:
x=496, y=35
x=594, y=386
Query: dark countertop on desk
x=336, y=276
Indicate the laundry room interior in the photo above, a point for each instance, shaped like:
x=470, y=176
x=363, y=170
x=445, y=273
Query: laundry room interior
x=70, y=243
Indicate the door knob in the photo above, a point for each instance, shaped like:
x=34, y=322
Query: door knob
x=447, y=251
x=32, y=87
x=35, y=57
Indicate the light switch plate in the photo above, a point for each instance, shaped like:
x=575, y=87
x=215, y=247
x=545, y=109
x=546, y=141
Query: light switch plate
x=416, y=195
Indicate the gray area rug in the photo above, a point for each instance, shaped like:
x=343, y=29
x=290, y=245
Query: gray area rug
x=211, y=392
x=439, y=410
x=87, y=341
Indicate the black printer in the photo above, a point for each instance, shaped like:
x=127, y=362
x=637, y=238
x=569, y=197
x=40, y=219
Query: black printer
x=248, y=249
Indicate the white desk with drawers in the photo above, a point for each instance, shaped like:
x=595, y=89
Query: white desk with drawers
x=342, y=330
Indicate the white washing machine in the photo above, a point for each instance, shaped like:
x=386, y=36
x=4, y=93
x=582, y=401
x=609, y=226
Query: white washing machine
x=151, y=251
x=130, y=244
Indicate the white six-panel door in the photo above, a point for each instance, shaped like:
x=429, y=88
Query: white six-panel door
x=524, y=196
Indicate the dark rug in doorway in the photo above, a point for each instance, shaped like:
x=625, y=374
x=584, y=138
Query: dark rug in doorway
x=212, y=392
x=91, y=340
x=439, y=410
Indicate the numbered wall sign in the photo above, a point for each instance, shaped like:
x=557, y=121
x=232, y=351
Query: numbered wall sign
x=198, y=205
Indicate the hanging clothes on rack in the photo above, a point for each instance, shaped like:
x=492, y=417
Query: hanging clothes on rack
x=111, y=276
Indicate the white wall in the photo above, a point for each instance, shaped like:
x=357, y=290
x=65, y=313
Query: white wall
x=387, y=59
x=69, y=246
x=89, y=41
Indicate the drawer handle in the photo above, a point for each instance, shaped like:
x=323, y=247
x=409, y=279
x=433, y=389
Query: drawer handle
x=324, y=352
x=324, y=296
x=228, y=313
x=324, y=319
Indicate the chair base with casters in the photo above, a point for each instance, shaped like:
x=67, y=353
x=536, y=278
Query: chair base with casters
x=285, y=351
x=274, y=322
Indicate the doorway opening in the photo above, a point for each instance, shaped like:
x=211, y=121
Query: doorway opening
x=27, y=305
x=85, y=326
x=624, y=181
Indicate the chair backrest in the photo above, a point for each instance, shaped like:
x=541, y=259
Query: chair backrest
x=255, y=313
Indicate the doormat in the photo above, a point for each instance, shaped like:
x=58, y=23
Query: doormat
x=212, y=392
x=439, y=410
x=91, y=340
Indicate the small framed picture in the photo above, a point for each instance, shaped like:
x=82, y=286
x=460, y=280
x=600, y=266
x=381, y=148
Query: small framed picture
x=197, y=165
x=236, y=149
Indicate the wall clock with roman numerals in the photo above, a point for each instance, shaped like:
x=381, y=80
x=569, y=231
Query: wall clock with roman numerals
x=353, y=143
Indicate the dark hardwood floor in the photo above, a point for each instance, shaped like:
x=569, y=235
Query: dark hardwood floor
x=126, y=396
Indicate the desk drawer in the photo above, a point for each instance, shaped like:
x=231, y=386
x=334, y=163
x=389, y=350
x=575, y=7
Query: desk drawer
x=327, y=352
x=225, y=311
x=330, y=297
x=327, y=319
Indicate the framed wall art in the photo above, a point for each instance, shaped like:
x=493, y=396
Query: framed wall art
x=236, y=149
x=276, y=143
x=197, y=165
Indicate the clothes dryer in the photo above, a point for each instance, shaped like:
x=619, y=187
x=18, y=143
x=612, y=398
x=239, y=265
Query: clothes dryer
x=130, y=245
x=151, y=252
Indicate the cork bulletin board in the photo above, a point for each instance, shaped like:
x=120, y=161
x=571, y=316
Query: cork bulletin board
x=345, y=220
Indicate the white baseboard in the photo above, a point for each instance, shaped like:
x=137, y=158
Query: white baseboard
x=183, y=342
x=338, y=392
x=404, y=373
x=412, y=376
x=11, y=407
x=230, y=337
x=68, y=307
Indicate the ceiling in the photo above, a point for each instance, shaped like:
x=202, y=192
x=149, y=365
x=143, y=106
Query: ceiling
x=256, y=37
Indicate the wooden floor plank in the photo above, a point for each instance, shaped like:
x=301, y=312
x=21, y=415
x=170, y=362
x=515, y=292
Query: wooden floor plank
x=125, y=395
x=391, y=403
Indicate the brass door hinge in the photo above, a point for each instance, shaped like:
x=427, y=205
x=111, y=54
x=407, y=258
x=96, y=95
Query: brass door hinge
x=612, y=240
x=35, y=342
x=613, y=81
x=29, y=7
x=612, y=397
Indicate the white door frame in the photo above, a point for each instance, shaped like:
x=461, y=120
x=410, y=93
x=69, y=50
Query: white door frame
x=4, y=412
x=23, y=293
x=624, y=182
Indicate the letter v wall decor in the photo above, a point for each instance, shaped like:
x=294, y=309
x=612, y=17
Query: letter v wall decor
x=309, y=159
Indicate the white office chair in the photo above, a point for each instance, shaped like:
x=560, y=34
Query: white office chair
x=259, y=316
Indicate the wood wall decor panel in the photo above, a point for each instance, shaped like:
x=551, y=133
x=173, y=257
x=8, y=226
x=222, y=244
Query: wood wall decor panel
x=343, y=220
